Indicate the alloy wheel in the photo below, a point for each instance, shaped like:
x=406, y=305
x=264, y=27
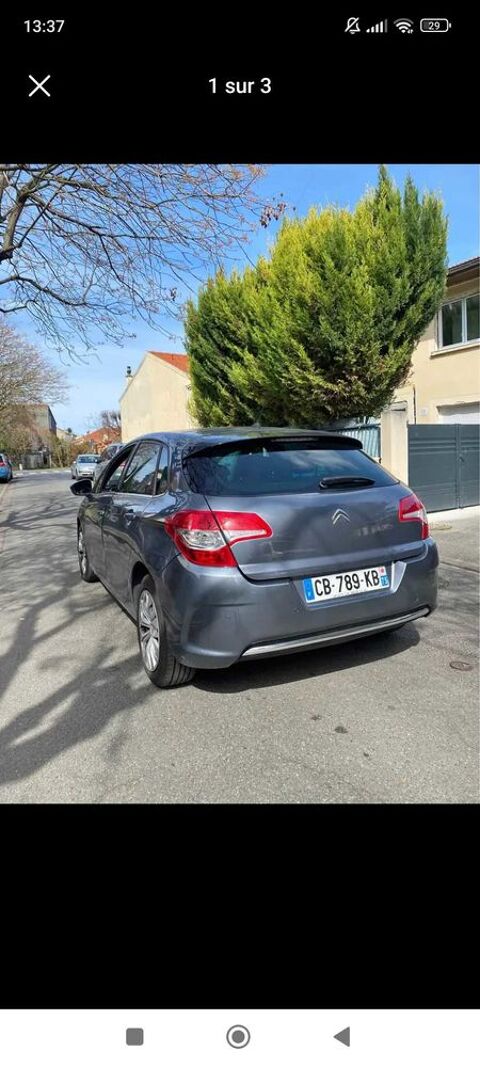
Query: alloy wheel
x=149, y=629
x=82, y=553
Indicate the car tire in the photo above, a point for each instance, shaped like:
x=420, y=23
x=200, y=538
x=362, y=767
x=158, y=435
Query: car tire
x=87, y=572
x=158, y=660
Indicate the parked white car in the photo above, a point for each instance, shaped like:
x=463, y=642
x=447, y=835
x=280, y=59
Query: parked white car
x=108, y=453
x=84, y=466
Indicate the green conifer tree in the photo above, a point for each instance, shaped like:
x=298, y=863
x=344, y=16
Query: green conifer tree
x=325, y=328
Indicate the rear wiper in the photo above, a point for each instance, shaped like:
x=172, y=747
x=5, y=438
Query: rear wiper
x=346, y=479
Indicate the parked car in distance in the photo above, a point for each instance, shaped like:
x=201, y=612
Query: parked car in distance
x=84, y=466
x=6, y=469
x=105, y=457
x=229, y=545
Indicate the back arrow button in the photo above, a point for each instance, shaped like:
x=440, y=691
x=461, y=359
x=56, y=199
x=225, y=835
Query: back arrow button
x=343, y=1036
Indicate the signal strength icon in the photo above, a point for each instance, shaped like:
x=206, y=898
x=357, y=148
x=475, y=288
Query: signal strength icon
x=380, y=27
x=404, y=25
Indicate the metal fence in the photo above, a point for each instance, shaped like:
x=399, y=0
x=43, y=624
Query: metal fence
x=367, y=433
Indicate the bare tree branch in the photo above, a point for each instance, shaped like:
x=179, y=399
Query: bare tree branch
x=26, y=376
x=112, y=420
x=84, y=247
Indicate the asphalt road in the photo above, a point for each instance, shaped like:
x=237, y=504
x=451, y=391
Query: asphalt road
x=381, y=720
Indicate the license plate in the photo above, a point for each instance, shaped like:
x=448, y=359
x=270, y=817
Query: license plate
x=369, y=580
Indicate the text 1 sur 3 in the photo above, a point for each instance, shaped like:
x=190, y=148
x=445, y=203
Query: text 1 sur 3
x=264, y=85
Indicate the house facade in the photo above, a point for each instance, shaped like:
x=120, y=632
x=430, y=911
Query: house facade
x=155, y=398
x=444, y=382
x=39, y=421
x=42, y=419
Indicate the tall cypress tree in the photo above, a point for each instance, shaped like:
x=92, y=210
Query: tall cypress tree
x=325, y=327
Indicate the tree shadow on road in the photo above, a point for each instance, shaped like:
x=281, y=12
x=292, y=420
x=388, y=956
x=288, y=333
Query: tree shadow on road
x=94, y=696
x=44, y=608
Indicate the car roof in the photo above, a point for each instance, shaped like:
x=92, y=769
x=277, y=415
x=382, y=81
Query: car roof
x=199, y=439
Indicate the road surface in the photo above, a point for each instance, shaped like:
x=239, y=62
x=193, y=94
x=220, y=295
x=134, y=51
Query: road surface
x=381, y=720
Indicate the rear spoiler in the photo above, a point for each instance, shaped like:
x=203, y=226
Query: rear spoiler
x=319, y=438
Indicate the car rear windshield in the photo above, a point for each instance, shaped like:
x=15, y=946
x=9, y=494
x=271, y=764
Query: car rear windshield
x=280, y=466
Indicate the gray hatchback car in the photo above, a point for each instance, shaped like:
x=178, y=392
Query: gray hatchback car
x=228, y=545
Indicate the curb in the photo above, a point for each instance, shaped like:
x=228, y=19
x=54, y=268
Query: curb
x=3, y=528
x=453, y=515
x=457, y=563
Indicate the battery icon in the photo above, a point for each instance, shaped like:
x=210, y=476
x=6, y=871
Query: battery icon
x=435, y=25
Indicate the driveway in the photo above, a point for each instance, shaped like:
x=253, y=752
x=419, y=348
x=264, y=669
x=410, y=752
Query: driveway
x=381, y=720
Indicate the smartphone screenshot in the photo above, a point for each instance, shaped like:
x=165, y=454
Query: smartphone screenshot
x=239, y=537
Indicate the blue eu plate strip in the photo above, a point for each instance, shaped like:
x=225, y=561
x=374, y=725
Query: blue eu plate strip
x=308, y=589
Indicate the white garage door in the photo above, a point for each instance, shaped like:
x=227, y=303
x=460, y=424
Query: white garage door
x=459, y=412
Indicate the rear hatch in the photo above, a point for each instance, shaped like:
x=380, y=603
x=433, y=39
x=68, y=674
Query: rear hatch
x=329, y=505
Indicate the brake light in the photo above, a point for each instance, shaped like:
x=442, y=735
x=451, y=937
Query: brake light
x=411, y=509
x=205, y=537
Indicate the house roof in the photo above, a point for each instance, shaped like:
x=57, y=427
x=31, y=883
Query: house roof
x=104, y=435
x=43, y=406
x=180, y=361
x=468, y=270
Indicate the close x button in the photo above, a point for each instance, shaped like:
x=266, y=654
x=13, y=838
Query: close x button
x=39, y=85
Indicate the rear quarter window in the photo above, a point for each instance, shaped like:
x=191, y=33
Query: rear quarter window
x=278, y=467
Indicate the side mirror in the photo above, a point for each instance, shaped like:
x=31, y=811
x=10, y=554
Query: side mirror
x=81, y=488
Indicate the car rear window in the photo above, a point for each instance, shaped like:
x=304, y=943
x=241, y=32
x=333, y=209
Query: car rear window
x=278, y=467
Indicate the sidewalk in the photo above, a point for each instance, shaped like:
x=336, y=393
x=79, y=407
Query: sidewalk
x=457, y=534
x=455, y=514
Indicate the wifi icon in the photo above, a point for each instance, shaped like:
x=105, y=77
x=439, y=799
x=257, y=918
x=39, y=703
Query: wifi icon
x=404, y=25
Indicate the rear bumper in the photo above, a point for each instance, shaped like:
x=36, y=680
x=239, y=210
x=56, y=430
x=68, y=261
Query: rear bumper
x=215, y=618
x=331, y=637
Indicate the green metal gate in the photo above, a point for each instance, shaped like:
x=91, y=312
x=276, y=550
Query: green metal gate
x=444, y=464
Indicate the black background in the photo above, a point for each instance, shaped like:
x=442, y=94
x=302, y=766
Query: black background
x=285, y=906
x=135, y=85
x=208, y=906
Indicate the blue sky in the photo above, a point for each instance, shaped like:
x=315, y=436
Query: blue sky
x=98, y=385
